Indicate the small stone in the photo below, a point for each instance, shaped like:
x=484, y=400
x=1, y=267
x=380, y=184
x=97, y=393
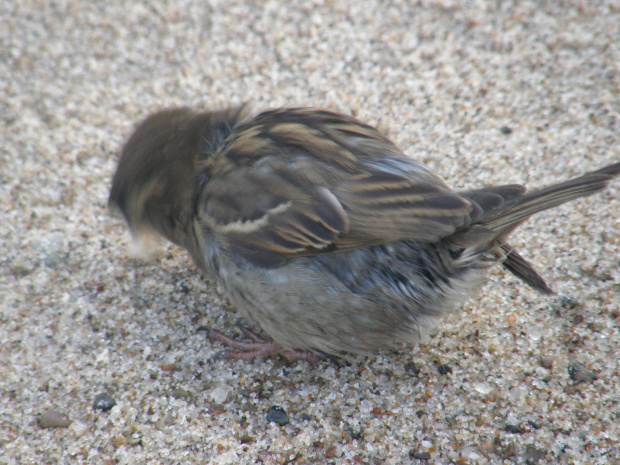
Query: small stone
x=483, y=388
x=513, y=429
x=580, y=374
x=515, y=394
x=103, y=402
x=220, y=394
x=412, y=368
x=419, y=455
x=444, y=369
x=505, y=130
x=54, y=419
x=180, y=394
x=277, y=415
x=331, y=452
x=546, y=362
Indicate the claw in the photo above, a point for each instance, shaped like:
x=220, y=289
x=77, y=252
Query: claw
x=258, y=348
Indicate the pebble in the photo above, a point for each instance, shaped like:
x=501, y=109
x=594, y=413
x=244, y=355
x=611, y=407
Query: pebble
x=412, y=368
x=181, y=394
x=419, y=455
x=103, y=402
x=246, y=439
x=444, y=369
x=54, y=419
x=580, y=373
x=483, y=388
x=220, y=394
x=516, y=394
x=277, y=415
x=513, y=429
x=330, y=453
x=546, y=362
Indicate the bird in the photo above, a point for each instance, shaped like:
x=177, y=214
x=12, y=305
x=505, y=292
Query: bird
x=319, y=229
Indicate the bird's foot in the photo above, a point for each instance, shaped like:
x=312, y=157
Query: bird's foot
x=258, y=348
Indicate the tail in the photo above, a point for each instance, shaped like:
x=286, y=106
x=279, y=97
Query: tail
x=503, y=208
x=549, y=197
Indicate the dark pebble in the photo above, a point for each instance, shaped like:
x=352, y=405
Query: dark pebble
x=54, y=419
x=277, y=415
x=103, y=402
x=513, y=429
x=420, y=413
x=412, y=368
x=419, y=455
x=580, y=374
x=444, y=369
x=505, y=130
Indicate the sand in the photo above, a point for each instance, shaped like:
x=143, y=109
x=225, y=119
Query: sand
x=102, y=359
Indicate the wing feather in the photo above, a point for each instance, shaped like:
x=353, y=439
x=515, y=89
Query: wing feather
x=314, y=188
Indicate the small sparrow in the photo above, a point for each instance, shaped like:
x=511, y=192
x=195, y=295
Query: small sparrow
x=320, y=230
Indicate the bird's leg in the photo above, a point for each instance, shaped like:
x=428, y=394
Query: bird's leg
x=258, y=348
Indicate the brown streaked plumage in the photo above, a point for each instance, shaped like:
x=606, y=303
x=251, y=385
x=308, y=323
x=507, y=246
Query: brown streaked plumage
x=319, y=228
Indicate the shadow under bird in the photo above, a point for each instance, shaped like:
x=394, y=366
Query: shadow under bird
x=320, y=230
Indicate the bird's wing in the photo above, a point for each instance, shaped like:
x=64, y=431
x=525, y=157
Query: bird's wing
x=301, y=186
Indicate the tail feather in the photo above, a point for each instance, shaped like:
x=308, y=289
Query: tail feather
x=550, y=197
x=523, y=270
x=502, y=208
